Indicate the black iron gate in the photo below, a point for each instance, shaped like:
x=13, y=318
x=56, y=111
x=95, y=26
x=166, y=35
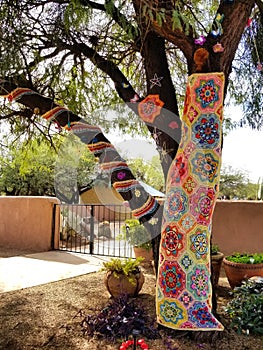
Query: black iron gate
x=94, y=229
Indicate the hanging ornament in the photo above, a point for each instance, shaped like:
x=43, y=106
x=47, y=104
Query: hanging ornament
x=249, y=21
x=68, y=126
x=134, y=99
x=150, y=108
x=200, y=41
x=156, y=134
x=218, y=26
x=259, y=66
x=201, y=56
x=155, y=81
x=36, y=111
x=125, y=85
x=217, y=48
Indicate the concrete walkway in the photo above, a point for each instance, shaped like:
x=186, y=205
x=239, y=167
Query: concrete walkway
x=18, y=272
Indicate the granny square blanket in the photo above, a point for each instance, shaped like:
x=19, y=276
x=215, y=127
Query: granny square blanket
x=184, y=290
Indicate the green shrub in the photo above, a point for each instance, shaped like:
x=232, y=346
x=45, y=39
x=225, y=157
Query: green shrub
x=246, y=307
x=136, y=234
x=246, y=258
x=214, y=249
x=127, y=267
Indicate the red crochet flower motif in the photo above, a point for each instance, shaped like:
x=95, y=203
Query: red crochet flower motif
x=150, y=108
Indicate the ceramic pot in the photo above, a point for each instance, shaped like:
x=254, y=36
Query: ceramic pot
x=118, y=285
x=216, y=267
x=144, y=253
x=237, y=272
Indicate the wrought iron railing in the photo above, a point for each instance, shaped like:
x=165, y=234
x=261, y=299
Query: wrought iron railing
x=94, y=229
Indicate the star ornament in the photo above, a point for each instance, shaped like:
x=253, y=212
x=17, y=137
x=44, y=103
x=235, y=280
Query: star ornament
x=155, y=81
x=150, y=108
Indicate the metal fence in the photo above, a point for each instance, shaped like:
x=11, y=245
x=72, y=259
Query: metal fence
x=94, y=229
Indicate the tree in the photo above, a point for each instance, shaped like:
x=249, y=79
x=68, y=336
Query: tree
x=234, y=184
x=28, y=169
x=57, y=49
x=148, y=172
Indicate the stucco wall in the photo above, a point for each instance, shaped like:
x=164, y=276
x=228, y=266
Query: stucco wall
x=26, y=223
x=238, y=226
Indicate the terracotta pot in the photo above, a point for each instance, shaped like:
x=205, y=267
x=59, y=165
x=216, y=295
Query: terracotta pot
x=117, y=286
x=237, y=272
x=216, y=267
x=144, y=253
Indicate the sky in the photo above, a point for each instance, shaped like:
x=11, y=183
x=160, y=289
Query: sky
x=242, y=148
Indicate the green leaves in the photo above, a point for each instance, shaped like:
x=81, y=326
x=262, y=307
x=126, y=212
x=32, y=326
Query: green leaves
x=234, y=183
x=28, y=170
x=255, y=258
x=149, y=172
x=136, y=234
x=126, y=267
x=76, y=16
x=246, y=308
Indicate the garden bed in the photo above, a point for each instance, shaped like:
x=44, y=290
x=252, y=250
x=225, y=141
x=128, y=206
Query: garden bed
x=49, y=317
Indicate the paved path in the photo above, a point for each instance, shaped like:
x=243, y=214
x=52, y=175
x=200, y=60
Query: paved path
x=18, y=272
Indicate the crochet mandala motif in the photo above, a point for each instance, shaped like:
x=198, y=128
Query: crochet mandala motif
x=184, y=299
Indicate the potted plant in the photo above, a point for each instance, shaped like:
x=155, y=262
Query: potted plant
x=241, y=266
x=216, y=259
x=138, y=236
x=123, y=276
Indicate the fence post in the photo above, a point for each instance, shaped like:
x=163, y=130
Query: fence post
x=91, y=244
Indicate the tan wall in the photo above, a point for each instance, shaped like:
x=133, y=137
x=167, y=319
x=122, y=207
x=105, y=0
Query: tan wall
x=238, y=226
x=26, y=223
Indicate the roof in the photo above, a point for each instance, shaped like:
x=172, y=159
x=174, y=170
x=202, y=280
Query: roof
x=151, y=190
x=102, y=194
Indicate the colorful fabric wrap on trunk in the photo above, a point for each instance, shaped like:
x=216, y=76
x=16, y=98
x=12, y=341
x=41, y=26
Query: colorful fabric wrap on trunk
x=147, y=208
x=53, y=113
x=184, y=291
x=88, y=134
x=125, y=186
x=114, y=166
x=18, y=93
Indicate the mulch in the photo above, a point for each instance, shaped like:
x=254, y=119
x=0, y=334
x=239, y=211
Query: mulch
x=49, y=317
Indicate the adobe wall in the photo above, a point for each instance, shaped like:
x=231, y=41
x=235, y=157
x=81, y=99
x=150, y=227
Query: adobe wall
x=26, y=223
x=238, y=226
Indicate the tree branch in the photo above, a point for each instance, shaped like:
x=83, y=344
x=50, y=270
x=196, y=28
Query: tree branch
x=166, y=28
x=155, y=61
x=122, y=85
x=115, y=14
x=235, y=20
x=142, y=204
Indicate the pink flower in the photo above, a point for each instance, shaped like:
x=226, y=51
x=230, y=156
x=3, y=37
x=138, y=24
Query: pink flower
x=218, y=48
x=200, y=41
